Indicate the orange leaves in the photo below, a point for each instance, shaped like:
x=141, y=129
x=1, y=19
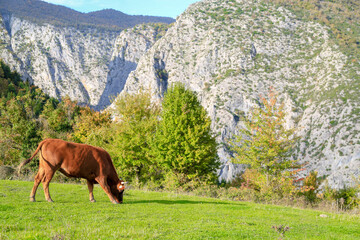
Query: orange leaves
x=87, y=122
x=265, y=144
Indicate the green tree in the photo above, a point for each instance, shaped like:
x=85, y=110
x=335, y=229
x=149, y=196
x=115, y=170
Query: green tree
x=60, y=117
x=265, y=144
x=3, y=83
x=185, y=144
x=129, y=137
x=19, y=131
x=27, y=115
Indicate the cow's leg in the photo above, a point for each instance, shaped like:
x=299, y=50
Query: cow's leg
x=105, y=186
x=39, y=176
x=46, y=181
x=91, y=187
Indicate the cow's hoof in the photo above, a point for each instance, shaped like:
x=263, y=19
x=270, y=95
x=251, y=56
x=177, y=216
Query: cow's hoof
x=92, y=200
x=50, y=200
x=32, y=199
x=115, y=202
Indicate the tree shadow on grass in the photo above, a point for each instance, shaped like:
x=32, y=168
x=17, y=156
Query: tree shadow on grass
x=176, y=202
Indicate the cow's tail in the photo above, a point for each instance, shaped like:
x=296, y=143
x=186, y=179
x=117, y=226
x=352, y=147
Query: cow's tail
x=29, y=159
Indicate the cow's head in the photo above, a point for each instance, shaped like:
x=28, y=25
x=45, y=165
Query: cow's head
x=120, y=187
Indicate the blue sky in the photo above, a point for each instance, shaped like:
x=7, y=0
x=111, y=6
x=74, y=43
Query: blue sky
x=164, y=8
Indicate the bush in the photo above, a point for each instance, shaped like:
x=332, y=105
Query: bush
x=266, y=188
x=346, y=198
x=310, y=188
x=181, y=182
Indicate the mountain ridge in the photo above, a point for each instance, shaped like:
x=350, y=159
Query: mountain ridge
x=41, y=12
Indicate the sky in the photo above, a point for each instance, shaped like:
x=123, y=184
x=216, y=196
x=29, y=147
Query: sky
x=163, y=8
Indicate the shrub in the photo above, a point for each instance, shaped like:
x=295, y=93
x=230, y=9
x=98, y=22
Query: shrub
x=346, y=198
x=266, y=187
x=310, y=188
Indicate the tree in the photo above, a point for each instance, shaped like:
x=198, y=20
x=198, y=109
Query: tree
x=130, y=136
x=19, y=131
x=27, y=115
x=265, y=144
x=61, y=117
x=3, y=83
x=184, y=142
x=89, y=122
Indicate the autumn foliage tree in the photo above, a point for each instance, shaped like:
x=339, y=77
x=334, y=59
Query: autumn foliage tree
x=265, y=143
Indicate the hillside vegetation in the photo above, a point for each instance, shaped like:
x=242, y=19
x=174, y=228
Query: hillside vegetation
x=28, y=115
x=151, y=215
x=341, y=16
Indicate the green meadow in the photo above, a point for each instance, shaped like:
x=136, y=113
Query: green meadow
x=156, y=215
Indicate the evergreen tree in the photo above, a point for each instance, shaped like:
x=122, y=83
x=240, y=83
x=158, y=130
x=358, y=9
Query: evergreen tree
x=3, y=83
x=184, y=142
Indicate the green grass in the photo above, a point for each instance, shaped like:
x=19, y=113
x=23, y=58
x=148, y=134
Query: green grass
x=154, y=215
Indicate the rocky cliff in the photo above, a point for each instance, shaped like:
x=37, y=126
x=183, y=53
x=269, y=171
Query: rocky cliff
x=89, y=65
x=231, y=52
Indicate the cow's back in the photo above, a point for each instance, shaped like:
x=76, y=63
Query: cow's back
x=76, y=160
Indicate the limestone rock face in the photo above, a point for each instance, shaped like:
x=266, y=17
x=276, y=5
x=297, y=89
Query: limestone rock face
x=89, y=66
x=129, y=47
x=231, y=52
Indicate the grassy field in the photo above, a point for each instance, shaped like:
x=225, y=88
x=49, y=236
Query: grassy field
x=153, y=215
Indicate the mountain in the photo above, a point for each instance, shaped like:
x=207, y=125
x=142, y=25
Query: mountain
x=40, y=12
x=65, y=52
x=230, y=52
x=123, y=20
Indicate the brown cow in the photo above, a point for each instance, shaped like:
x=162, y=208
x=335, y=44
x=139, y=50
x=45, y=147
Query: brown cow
x=76, y=160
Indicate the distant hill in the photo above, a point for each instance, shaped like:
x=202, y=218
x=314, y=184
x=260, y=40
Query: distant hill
x=42, y=12
x=121, y=19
